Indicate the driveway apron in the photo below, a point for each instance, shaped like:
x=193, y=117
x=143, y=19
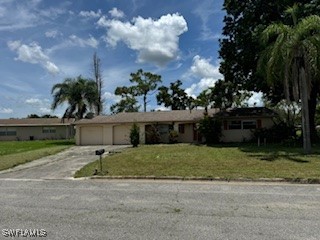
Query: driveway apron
x=59, y=166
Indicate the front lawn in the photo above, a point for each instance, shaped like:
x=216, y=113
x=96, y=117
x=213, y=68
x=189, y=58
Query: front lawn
x=227, y=162
x=13, y=153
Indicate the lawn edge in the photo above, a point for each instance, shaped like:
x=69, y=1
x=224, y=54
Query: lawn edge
x=18, y=164
x=217, y=179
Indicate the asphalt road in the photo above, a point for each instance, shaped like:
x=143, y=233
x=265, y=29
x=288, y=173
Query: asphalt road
x=59, y=166
x=122, y=209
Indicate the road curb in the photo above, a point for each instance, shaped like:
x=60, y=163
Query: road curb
x=177, y=178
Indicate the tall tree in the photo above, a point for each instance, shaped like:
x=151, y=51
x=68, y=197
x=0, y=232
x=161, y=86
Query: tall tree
x=99, y=82
x=128, y=102
x=174, y=97
x=292, y=55
x=145, y=82
x=79, y=93
x=240, y=46
x=204, y=99
x=222, y=96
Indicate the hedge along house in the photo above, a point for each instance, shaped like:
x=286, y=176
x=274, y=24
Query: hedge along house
x=36, y=129
x=115, y=129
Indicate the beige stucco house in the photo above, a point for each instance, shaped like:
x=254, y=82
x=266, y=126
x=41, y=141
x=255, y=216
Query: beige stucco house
x=36, y=129
x=115, y=129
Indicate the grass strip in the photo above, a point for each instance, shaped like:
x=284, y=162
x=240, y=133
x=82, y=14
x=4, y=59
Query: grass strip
x=227, y=162
x=16, y=153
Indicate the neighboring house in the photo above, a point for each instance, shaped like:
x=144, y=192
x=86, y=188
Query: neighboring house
x=36, y=129
x=115, y=129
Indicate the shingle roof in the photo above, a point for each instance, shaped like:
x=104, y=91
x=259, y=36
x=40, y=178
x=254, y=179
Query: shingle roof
x=177, y=115
x=35, y=121
x=247, y=112
x=146, y=117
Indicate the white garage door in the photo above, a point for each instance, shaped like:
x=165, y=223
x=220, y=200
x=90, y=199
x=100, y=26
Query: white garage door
x=91, y=136
x=121, y=134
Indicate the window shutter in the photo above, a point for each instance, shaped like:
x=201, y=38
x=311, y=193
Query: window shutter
x=259, y=125
x=225, y=124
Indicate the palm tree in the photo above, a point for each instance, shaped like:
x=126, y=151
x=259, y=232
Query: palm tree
x=293, y=55
x=80, y=94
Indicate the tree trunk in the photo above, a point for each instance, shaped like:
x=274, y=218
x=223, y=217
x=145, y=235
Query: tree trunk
x=305, y=112
x=312, y=111
x=99, y=82
x=145, y=103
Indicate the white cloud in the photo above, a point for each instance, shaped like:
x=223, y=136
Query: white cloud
x=255, y=99
x=109, y=100
x=203, y=68
x=18, y=15
x=53, y=13
x=162, y=108
x=52, y=33
x=6, y=110
x=51, y=67
x=205, y=10
x=114, y=12
x=192, y=90
x=90, y=14
x=42, y=105
x=33, y=101
x=74, y=41
x=34, y=54
x=45, y=110
x=14, y=45
x=91, y=41
x=155, y=41
x=108, y=96
x=2, y=11
x=207, y=72
x=196, y=88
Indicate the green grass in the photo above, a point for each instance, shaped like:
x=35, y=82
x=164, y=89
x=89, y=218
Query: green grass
x=13, y=153
x=228, y=162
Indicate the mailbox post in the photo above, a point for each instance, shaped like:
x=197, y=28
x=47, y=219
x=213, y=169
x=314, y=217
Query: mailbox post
x=99, y=153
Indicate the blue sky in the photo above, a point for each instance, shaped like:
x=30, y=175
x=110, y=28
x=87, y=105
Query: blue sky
x=44, y=42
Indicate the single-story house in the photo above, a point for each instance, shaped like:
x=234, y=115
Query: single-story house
x=36, y=129
x=115, y=129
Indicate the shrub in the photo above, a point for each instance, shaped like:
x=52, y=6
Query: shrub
x=173, y=136
x=135, y=135
x=153, y=135
x=279, y=132
x=210, y=128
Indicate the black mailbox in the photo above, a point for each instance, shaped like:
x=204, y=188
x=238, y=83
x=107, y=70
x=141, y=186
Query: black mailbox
x=100, y=152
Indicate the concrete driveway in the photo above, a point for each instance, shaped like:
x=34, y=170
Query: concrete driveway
x=59, y=166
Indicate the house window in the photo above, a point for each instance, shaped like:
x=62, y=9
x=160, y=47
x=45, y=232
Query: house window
x=163, y=128
x=48, y=130
x=244, y=124
x=234, y=125
x=181, y=128
x=249, y=124
x=3, y=132
x=8, y=132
